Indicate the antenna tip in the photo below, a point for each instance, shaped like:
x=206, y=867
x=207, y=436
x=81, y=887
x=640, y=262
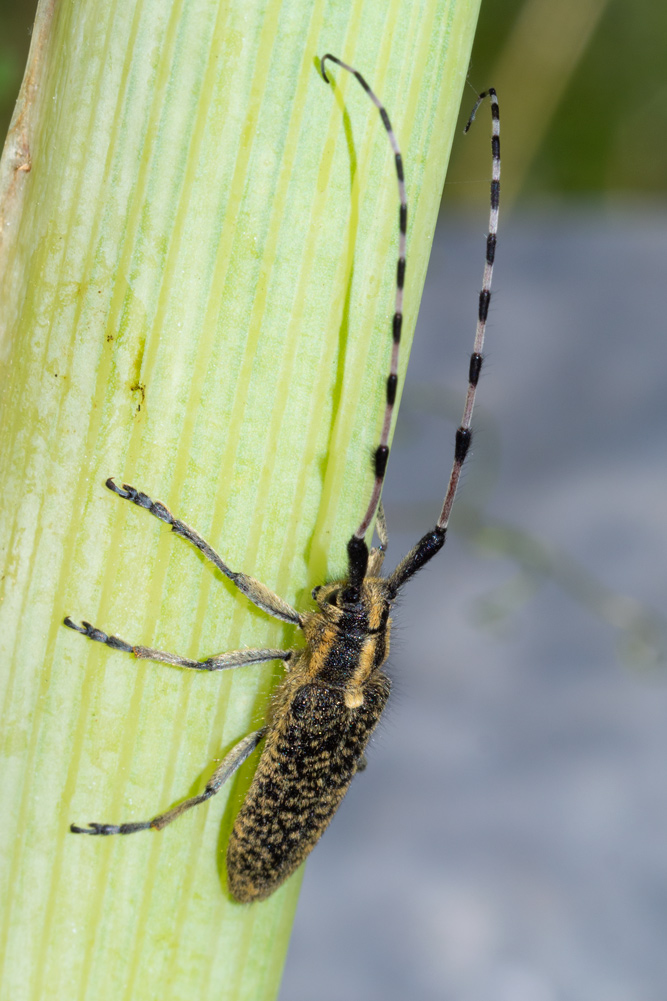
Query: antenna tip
x=494, y=101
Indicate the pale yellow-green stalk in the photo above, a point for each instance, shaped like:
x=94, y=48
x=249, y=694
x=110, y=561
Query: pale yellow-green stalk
x=198, y=267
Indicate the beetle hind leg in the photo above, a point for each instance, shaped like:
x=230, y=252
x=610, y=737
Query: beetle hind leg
x=230, y=763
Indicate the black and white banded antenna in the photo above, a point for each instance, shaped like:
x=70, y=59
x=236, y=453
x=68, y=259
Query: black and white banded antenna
x=433, y=540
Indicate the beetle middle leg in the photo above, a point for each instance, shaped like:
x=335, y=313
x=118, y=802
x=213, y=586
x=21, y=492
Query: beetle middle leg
x=219, y=662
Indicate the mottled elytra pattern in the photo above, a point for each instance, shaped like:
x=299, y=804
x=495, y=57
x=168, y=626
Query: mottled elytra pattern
x=334, y=691
x=312, y=751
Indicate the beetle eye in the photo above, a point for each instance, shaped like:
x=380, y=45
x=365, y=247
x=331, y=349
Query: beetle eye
x=314, y=592
x=333, y=598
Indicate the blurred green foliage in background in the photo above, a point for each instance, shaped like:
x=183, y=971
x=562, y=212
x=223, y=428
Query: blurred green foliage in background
x=583, y=85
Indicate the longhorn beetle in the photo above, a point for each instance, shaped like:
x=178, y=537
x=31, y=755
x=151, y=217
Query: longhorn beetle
x=324, y=711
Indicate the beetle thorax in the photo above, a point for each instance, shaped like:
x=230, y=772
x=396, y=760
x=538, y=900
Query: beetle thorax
x=348, y=640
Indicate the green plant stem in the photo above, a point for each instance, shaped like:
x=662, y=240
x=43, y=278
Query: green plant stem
x=197, y=272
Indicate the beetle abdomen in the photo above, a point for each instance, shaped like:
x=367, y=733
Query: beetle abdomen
x=310, y=758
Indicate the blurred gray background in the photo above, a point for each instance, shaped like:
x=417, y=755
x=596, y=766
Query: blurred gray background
x=508, y=840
